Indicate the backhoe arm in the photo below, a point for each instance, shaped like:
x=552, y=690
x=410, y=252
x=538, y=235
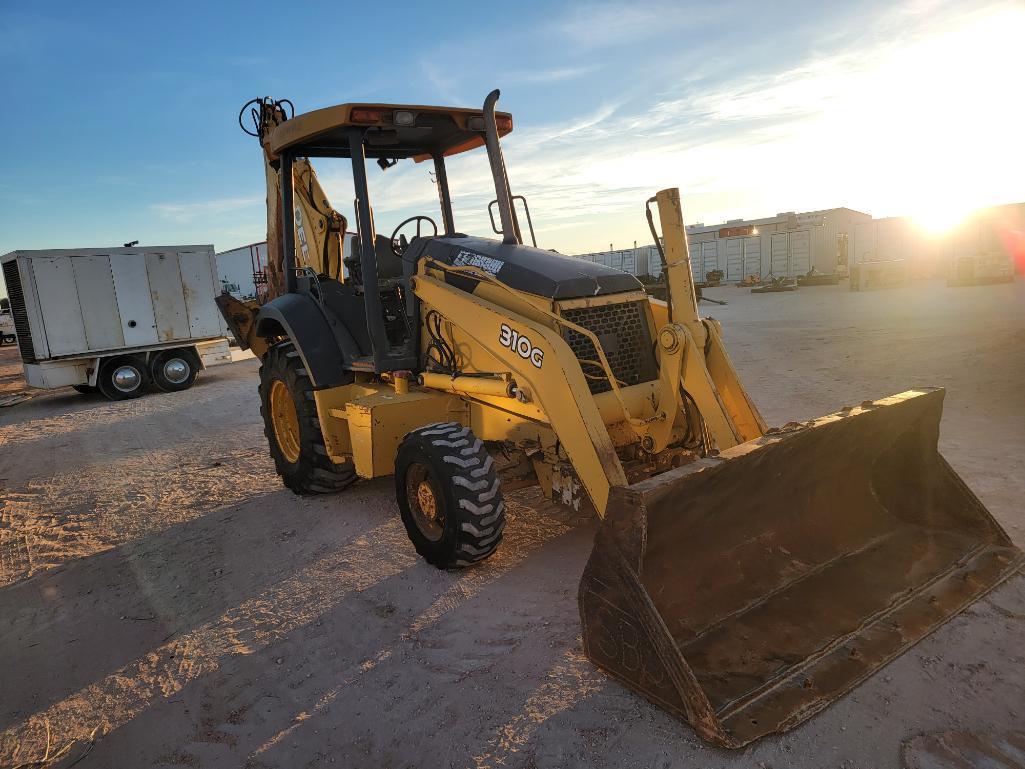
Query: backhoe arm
x=319, y=228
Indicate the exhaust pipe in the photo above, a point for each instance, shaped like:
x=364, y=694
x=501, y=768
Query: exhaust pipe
x=510, y=226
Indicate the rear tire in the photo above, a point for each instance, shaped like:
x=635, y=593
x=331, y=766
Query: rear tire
x=449, y=495
x=123, y=377
x=292, y=426
x=174, y=370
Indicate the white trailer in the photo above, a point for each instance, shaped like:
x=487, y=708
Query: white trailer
x=116, y=319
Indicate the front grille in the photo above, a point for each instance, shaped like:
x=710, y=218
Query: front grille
x=14, y=292
x=622, y=331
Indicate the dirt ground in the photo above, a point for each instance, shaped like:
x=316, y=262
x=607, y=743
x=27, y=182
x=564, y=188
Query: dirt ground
x=164, y=602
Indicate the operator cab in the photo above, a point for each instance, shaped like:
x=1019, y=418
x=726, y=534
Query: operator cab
x=388, y=336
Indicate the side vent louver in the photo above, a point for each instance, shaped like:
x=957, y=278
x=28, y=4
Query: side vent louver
x=17, y=296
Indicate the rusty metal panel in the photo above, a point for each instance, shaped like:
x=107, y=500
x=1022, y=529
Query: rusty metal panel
x=165, y=286
x=199, y=288
x=135, y=307
x=744, y=593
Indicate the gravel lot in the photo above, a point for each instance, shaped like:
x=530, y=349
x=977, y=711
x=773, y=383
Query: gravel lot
x=165, y=602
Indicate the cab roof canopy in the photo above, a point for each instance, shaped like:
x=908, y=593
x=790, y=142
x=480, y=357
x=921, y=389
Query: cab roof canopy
x=393, y=131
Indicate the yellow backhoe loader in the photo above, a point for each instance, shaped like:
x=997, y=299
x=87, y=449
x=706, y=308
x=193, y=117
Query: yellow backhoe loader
x=742, y=577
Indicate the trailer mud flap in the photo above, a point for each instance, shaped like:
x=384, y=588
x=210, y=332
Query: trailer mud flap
x=745, y=592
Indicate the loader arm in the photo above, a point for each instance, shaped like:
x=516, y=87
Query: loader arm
x=557, y=386
x=720, y=397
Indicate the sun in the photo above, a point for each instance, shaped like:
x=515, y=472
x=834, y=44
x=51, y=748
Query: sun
x=937, y=217
x=931, y=127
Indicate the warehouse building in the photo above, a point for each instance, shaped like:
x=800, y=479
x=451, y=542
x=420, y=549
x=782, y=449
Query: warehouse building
x=786, y=245
x=994, y=231
x=640, y=261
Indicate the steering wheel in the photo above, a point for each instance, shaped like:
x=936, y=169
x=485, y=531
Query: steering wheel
x=399, y=244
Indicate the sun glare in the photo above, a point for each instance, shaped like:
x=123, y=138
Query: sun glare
x=939, y=217
x=931, y=129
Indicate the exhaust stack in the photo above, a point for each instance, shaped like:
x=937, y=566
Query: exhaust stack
x=510, y=226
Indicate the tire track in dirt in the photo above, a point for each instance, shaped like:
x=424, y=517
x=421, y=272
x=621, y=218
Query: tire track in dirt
x=85, y=511
x=108, y=415
x=252, y=625
x=568, y=682
x=532, y=522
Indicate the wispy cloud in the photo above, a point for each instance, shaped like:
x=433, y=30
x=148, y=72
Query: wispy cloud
x=187, y=212
x=606, y=25
x=834, y=128
x=444, y=84
x=552, y=75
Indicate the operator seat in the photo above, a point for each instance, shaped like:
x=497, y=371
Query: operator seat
x=389, y=266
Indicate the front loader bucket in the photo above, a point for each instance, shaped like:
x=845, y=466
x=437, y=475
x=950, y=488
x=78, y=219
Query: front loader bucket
x=746, y=592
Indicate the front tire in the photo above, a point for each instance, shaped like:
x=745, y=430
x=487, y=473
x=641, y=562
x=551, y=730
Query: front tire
x=449, y=495
x=123, y=377
x=292, y=426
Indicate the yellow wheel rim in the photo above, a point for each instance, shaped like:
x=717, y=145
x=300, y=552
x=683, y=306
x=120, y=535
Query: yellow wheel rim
x=428, y=513
x=285, y=421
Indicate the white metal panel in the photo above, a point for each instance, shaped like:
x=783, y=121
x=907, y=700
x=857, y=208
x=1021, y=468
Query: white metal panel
x=753, y=256
x=58, y=304
x=98, y=301
x=800, y=252
x=696, y=262
x=711, y=258
x=198, y=287
x=735, y=259
x=778, y=261
x=131, y=286
x=214, y=352
x=49, y=375
x=169, y=308
x=890, y=239
x=864, y=249
x=629, y=262
x=650, y=264
x=616, y=262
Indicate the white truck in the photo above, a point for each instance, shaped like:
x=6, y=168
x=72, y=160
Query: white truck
x=116, y=319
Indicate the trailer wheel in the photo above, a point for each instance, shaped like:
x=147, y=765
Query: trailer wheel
x=174, y=370
x=449, y=495
x=292, y=426
x=123, y=377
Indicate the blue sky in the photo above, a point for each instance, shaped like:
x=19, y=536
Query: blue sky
x=121, y=117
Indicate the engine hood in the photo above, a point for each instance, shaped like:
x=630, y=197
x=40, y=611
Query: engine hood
x=532, y=270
